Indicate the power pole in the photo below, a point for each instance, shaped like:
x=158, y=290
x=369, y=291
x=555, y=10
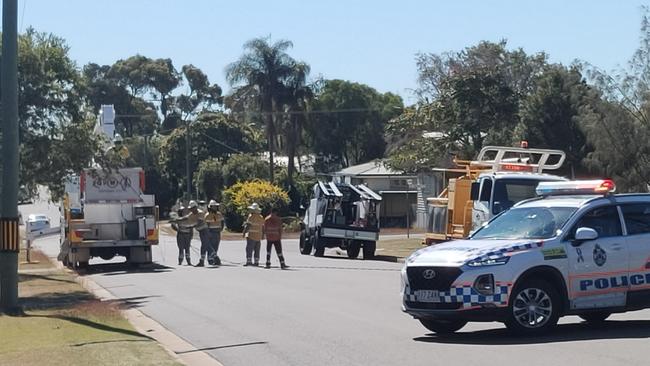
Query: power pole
x=9, y=234
x=188, y=170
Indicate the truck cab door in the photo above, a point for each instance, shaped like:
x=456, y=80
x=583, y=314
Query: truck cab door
x=599, y=268
x=482, y=206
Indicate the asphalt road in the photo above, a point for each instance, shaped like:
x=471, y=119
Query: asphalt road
x=336, y=311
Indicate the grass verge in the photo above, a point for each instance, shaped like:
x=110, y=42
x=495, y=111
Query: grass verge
x=398, y=248
x=62, y=324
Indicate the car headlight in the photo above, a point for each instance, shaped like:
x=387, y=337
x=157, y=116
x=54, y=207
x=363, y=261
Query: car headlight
x=482, y=262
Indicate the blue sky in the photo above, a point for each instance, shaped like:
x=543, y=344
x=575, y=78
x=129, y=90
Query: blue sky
x=372, y=42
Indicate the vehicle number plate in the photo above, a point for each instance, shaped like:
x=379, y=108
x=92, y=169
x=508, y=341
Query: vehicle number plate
x=427, y=296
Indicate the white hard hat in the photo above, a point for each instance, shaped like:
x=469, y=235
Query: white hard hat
x=193, y=204
x=117, y=138
x=213, y=203
x=254, y=207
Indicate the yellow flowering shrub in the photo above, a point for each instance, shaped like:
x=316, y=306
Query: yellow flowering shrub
x=238, y=197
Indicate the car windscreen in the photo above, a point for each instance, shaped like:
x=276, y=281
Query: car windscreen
x=526, y=223
x=507, y=192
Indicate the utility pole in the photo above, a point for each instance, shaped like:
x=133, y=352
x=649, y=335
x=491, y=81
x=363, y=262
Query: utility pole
x=9, y=234
x=188, y=170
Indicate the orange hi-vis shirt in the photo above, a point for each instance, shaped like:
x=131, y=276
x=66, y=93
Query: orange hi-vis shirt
x=273, y=228
x=254, y=226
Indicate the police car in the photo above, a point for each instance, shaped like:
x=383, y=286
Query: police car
x=578, y=249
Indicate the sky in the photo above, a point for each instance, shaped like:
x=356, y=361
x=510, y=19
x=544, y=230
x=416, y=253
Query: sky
x=371, y=41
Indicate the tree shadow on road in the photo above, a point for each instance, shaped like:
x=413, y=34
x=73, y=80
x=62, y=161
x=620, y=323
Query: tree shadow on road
x=341, y=255
x=612, y=329
x=113, y=269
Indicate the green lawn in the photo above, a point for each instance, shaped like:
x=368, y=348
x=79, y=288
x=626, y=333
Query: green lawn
x=63, y=324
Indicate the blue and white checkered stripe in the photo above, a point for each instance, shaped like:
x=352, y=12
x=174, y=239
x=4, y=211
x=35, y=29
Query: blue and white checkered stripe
x=468, y=296
x=499, y=253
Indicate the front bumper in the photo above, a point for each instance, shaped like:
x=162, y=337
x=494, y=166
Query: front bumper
x=478, y=314
x=112, y=243
x=456, y=297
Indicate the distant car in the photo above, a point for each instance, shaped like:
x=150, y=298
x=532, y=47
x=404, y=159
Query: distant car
x=37, y=223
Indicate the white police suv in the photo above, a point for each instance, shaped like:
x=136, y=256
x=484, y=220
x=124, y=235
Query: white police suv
x=576, y=250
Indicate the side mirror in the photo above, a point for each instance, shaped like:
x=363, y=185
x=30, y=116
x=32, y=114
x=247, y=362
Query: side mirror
x=474, y=191
x=584, y=234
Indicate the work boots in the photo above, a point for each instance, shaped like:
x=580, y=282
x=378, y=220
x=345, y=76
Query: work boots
x=201, y=263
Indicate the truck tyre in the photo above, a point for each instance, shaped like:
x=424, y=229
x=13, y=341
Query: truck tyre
x=354, y=247
x=443, y=326
x=305, y=245
x=320, y=248
x=534, y=308
x=369, y=248
x=595, y=317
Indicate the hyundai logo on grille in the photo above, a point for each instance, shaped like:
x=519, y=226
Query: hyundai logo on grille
x=428, y=274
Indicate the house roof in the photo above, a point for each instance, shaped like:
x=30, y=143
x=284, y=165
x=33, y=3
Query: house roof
x=371, y=168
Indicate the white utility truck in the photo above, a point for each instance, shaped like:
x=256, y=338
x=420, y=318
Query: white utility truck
x=341, y=215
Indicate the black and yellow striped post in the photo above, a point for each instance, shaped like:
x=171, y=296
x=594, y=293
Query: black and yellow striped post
x=9, y=235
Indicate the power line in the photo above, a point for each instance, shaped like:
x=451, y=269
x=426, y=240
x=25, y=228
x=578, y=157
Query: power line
x=221, y=143
x=325, y=111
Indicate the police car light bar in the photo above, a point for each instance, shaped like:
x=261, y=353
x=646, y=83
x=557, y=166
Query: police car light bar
x=599, y=186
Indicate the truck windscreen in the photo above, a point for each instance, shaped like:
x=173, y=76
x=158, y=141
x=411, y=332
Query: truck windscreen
x=507, y=192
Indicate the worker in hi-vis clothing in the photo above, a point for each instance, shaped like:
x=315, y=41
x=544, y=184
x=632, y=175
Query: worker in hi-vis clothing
x=186, y=225
x=253, y=232
x=214, y=220
x=183, y=236
x=273, y=233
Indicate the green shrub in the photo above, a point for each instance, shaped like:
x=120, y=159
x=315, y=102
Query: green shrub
x=239, y=196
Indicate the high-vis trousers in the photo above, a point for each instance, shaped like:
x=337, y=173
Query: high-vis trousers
x=252, y=251
x=214, y=238
x=206, y=248
x=184, y=241
x=278, y=249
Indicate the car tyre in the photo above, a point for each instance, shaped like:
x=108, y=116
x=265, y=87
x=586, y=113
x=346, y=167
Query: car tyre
x=534, y=308
x=305, y=245
x=595, y=317
x=443, y=326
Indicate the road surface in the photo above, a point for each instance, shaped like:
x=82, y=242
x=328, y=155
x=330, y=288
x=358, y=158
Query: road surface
x=336, y=311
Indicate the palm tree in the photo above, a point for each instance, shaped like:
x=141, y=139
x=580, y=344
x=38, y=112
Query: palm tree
x=263, y=69
x=296, y=98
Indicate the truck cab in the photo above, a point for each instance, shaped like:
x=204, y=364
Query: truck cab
x=499, y=191
x=483, y=188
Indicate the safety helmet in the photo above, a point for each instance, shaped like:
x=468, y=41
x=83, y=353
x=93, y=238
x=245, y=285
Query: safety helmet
x=193, y=204
x=254, y=207
x=213, y=203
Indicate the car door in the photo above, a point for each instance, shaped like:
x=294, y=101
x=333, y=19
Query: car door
x=598, y=269
x=637, y=225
